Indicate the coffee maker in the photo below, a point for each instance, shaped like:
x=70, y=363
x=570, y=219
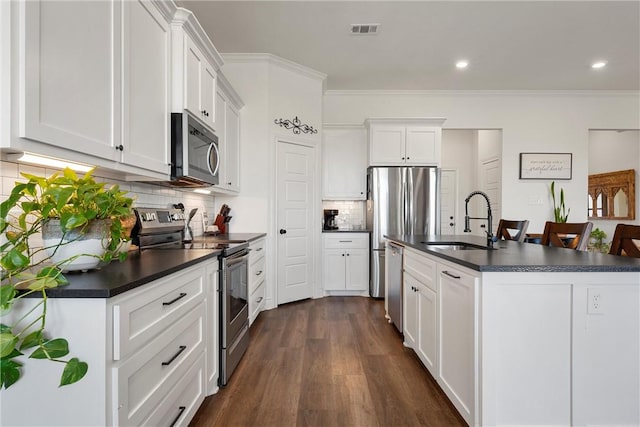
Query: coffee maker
x=330, y=222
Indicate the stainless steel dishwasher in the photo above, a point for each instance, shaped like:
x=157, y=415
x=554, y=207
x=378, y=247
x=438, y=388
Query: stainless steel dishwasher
x=394, y=256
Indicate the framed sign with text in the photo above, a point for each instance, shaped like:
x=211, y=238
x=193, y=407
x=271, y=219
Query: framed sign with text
x=545, y=165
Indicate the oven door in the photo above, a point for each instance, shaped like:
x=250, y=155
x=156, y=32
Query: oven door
x=235, y=272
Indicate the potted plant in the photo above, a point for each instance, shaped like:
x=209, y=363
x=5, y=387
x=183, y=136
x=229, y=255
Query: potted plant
x=66, y=210
x=559, y=213
x=597, y=243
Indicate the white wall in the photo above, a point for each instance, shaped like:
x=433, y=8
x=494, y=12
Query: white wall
x=530, y=122
x=611, y=151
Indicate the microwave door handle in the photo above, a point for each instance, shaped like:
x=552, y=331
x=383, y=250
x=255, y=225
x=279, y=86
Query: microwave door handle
x=215, y=170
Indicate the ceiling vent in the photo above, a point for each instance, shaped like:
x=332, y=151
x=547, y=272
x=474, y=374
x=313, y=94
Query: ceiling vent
x=364, y=29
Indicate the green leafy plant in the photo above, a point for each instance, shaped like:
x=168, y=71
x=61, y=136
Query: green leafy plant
x=559, y=213
x=27, y=269
x=597, y=242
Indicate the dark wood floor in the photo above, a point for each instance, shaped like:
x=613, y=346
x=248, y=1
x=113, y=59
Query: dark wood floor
x=328, y=362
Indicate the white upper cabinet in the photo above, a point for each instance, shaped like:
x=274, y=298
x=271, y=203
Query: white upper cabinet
x=93, y=82
x=145, y=103
x=344, y=163
x=69, y=93
x=195, y=69
x=228, y=105
x=404, y=142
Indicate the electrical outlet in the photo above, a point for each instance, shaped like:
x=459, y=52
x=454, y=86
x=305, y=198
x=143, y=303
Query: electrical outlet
x=594, y=301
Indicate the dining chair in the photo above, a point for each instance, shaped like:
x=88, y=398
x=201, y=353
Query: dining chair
x=571, y=235
x=512, y=230
x=624, y=241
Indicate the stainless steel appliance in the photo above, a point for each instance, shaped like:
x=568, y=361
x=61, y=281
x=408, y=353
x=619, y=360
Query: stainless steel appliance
x=195, y=159
x=395, y=254
x=330, y=222
x=158, y=229
x=400, y=200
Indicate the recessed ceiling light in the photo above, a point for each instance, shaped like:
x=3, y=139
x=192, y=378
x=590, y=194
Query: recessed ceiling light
x=599, y=64
x=462, y=64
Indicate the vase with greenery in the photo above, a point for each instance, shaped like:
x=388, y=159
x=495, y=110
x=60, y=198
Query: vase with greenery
x=29, y=267
x=597, y=243
x=559, y=212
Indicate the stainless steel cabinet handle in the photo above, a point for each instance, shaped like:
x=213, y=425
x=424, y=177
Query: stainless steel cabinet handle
x=170, y=361
x=450, y=275
x=182, y=295
x=181, y=409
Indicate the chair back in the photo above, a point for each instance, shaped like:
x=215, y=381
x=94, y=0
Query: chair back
x=623, y=241
x=571, y=235
x=512, y=230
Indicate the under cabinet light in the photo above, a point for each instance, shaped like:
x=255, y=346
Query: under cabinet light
x=49, y=161
x=201, y=191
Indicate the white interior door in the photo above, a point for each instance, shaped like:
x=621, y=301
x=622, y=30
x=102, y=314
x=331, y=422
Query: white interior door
x=448, y=201
x=491, y=183
x=296, y=193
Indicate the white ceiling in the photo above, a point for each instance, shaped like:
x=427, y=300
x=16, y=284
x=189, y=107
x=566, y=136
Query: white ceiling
x=510, y=45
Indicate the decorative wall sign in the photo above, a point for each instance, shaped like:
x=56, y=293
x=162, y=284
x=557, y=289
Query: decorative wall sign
x=545, y=165
x=296, y=125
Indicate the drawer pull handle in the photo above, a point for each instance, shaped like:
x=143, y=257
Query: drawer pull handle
x=182, y=295
x=170, y=361
x=451, y=275
x=181, y=410
x=259, y=300
x=346, y=241
x=259, y=249
x=259, y=273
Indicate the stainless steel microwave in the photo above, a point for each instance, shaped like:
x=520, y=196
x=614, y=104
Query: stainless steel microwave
x=195, y=158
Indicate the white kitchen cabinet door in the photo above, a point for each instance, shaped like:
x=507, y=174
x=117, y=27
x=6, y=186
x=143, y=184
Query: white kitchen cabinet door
x=410, y=311
x=422, y=145
x=426, y=347
x=211, y=328
x=344, y=164
x=357, y=271
x=456, y=368
x=387, y=146
x=145, y=60
x=335, y=267
x=69, y=93
x=232, y=149
x=199, y=84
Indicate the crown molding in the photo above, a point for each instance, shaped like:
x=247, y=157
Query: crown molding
x=424, y=121
x=230, y=91
x=186, y=20
x=621, y=93
x=275, y=60
x=356, y=126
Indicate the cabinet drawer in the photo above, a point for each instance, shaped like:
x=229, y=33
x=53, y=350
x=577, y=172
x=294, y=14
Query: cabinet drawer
x=182, y=402
x=257, y=250
x=346, y=241
x=256, y=301
x=256, y=274
x=140, y=317
x=421, y=268
x=149, y=375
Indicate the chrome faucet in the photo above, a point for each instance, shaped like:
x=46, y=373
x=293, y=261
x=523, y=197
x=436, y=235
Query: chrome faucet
x=489, y=218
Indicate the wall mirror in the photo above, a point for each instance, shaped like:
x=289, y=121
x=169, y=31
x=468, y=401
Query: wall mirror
x=612, y=195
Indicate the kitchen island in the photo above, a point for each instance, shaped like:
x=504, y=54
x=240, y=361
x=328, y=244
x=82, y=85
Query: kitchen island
x=525, y=334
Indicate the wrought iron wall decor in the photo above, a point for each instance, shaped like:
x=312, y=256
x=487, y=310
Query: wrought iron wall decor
x=296, y=125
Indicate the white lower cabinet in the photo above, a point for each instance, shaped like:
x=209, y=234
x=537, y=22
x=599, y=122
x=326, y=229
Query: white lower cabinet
x=345, y=262
x=257, y=278
x=211, y=327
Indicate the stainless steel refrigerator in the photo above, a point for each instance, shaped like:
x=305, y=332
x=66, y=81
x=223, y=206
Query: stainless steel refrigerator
x=400, y=200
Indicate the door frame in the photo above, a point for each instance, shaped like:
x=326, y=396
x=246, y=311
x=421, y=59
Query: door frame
x=315, y=209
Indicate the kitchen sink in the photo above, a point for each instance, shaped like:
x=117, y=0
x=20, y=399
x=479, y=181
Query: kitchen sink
x=454, y=246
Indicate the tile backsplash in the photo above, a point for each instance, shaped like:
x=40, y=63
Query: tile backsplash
x=147, y=195
x=351, y=214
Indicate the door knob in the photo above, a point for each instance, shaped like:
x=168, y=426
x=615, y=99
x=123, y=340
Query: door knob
x=283, y=231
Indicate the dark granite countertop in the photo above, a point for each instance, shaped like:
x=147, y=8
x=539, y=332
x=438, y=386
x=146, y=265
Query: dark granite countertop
x=231, y=237
x=140, y=267
x=519, y=257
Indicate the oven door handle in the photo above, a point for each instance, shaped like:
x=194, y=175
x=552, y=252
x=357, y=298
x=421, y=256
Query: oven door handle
x=236, y=259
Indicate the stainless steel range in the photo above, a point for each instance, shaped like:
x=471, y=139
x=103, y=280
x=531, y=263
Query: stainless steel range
x=158, y=229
